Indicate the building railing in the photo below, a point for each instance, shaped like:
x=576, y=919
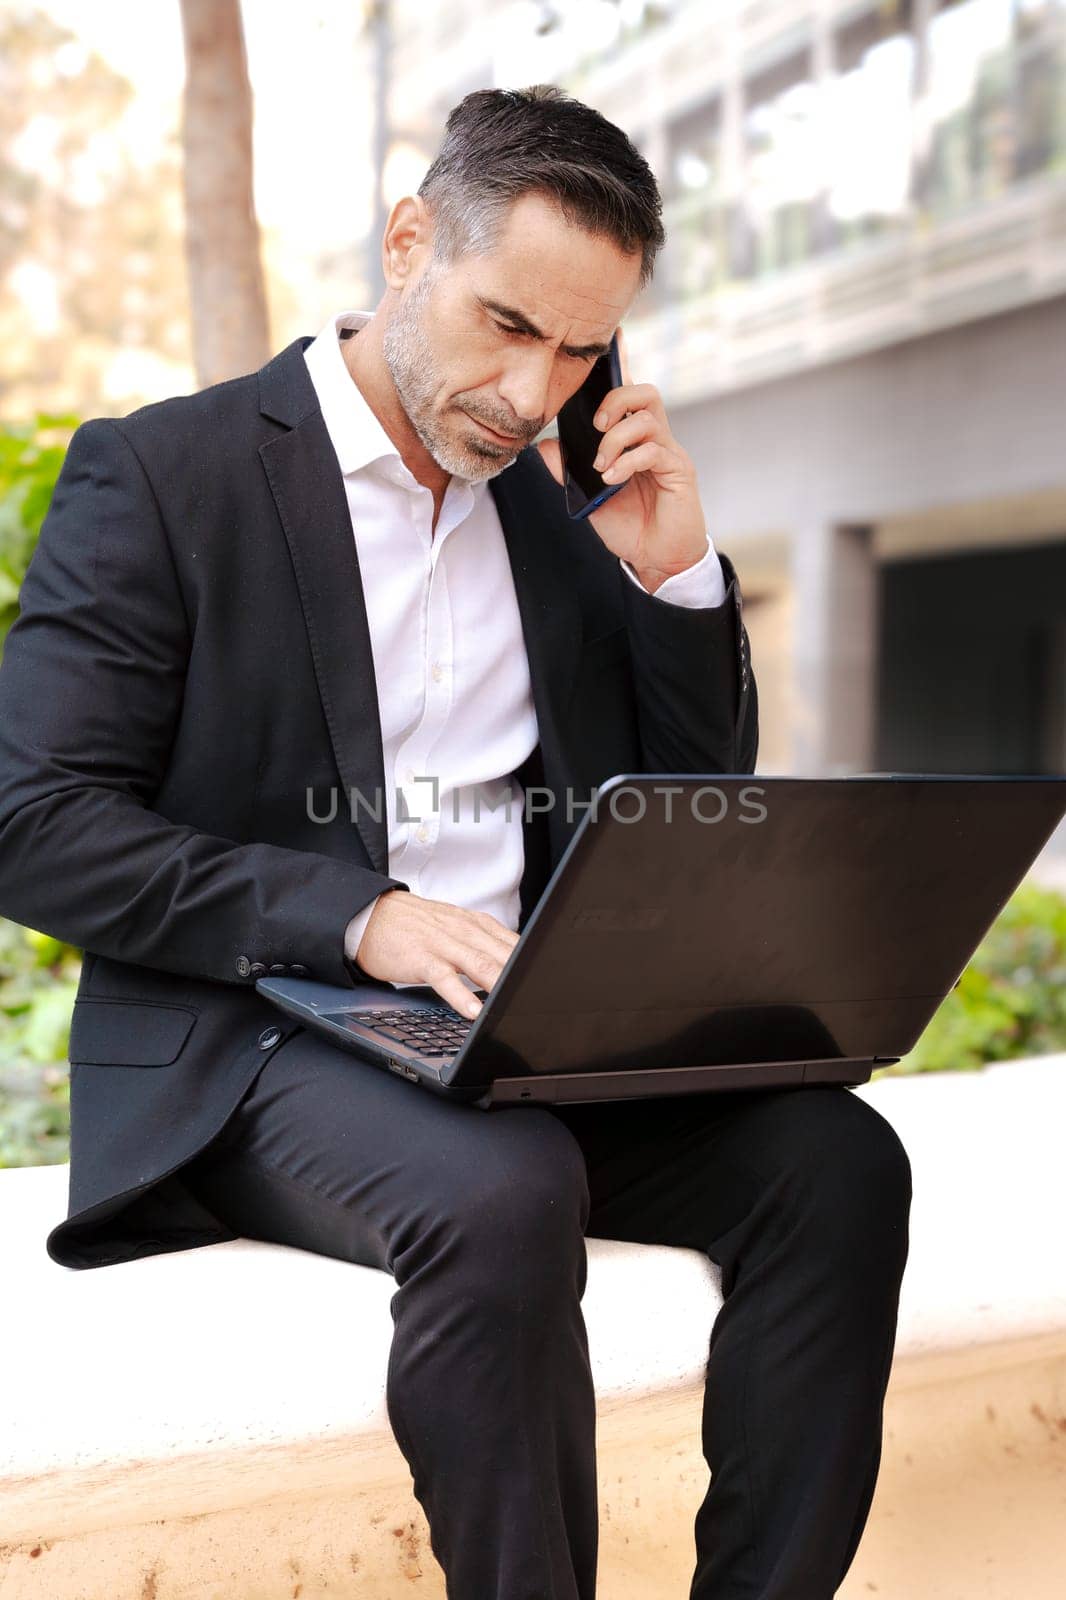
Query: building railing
x=862, y=156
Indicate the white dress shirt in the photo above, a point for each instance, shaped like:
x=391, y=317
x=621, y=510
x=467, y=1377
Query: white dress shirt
x=450, y=662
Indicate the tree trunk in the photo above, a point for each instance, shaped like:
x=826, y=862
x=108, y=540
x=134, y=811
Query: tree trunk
x=231, y=334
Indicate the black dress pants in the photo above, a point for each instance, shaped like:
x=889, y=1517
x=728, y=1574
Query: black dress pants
x=801, y=1195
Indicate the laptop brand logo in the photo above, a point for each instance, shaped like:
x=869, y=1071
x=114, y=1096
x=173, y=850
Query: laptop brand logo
x=610, y=920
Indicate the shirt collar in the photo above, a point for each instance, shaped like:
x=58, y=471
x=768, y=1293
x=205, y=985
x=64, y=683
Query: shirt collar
x=355, y=432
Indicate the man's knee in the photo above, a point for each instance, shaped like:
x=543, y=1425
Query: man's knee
x=534, y=1173
x=517, y=1215
x=850, y=1175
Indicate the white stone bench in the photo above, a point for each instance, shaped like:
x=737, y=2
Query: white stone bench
x=188, y=1425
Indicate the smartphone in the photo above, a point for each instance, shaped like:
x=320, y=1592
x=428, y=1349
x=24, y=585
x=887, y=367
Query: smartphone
x=579, y=439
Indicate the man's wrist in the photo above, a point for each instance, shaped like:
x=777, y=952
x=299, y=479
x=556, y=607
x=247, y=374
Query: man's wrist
x=699, y=585
x=652, y=580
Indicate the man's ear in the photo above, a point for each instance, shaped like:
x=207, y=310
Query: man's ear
x=623, y=355
x=551, y=455
x=408, y=226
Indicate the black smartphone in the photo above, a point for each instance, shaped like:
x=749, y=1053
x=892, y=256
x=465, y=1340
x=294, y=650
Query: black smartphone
x=579, y=438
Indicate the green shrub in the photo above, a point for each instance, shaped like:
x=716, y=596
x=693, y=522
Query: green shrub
x=38, y=975
x=38, y=982
x=31, y=455
x=1011, y=999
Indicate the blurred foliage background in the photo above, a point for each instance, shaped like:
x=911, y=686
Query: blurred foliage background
x=38, y=981
x=30, y=458
x=38, y=975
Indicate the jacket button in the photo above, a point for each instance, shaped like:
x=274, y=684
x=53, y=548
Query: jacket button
x=269, y=1038
x=278, y=970
x=257, y=970
x=298, y=971
x=244, y=966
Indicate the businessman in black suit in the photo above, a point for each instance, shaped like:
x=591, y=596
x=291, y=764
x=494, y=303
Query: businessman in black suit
x=194, y=660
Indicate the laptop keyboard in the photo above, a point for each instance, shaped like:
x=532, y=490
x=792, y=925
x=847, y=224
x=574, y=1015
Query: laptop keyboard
x=431, y=1030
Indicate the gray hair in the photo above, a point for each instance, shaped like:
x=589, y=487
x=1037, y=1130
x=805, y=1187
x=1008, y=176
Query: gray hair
x=502, y=143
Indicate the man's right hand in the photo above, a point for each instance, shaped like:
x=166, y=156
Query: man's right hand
x=412, y=940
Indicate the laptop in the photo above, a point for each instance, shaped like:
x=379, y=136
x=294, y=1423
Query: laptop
x=719, y=932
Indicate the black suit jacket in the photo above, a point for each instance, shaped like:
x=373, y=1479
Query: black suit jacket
x=192, y=656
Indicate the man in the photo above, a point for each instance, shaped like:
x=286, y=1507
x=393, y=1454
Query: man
x=355, y=565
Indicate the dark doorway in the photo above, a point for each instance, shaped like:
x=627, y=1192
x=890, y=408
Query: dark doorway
x=972, y=661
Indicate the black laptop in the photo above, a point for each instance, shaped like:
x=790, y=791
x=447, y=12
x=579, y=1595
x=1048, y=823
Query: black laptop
x=719, y=932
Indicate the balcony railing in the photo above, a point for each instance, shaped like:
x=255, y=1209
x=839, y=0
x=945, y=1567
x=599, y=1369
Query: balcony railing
x=863, y=156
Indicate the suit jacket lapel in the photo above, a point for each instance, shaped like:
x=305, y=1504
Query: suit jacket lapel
x=308, y=489
x=547, y=602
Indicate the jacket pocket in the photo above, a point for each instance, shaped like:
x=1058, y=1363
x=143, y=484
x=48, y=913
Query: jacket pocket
x=128, y=1033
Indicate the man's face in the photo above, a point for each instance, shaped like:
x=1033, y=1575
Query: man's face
x=504, y=339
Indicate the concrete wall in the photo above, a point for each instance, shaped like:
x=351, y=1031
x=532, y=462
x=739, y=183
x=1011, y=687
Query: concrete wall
x=814, y=483
x=972, y=414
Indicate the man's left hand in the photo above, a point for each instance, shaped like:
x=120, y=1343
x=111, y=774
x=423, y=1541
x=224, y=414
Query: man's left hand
x=656, y=523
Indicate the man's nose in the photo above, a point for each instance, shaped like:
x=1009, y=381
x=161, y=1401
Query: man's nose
x=525, y=387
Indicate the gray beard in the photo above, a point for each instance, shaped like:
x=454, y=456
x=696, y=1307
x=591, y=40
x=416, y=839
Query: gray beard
x=404, y=349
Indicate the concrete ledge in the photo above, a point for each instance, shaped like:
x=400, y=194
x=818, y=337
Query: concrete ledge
x=231, y=1481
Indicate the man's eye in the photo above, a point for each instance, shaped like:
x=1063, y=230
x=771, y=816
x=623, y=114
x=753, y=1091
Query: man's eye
x=522, y=334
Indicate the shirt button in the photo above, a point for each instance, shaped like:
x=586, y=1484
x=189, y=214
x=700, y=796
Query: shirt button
x=299, y=971
x=278, y=970
x=257, y=969
x=269, y=1038
x=244, y=966
x=438, y=672
x=409, y=775
x=422, y=835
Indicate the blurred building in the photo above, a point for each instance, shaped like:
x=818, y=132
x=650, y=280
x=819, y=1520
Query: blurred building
x=859, y=327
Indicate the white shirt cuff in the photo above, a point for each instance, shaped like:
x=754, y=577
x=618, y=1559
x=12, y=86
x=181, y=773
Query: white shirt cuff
x=696, y=587
x=357, y=925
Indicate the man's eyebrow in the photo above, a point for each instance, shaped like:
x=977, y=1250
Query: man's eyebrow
x=521, y=321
